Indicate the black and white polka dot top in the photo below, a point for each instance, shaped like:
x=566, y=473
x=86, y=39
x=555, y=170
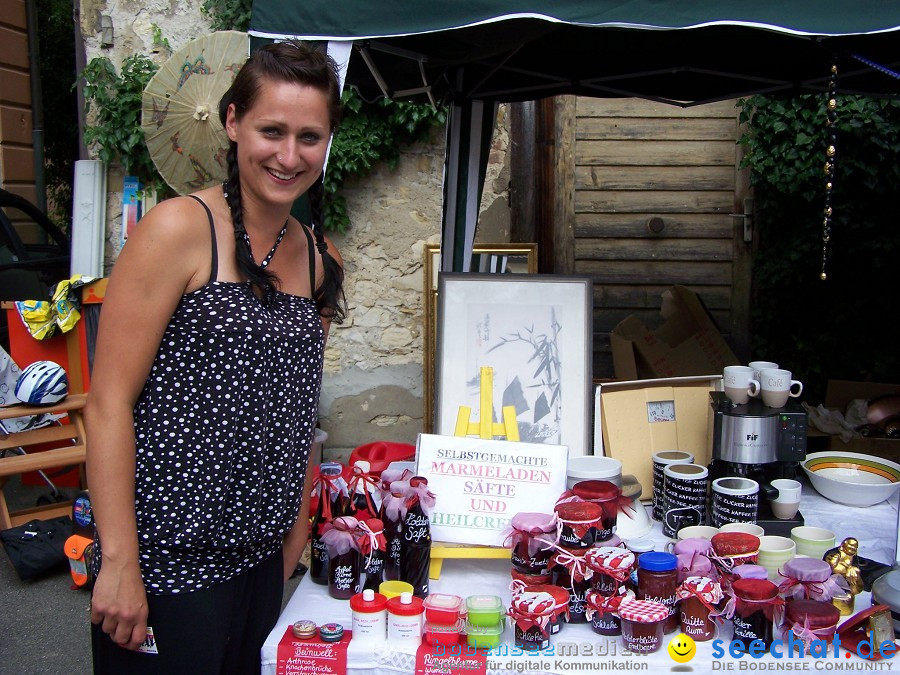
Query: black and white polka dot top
x=223, y=432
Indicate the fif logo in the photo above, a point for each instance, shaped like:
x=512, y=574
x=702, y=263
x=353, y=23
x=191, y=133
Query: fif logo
x=752, y=437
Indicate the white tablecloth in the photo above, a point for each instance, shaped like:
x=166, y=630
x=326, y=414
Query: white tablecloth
x=875, y=527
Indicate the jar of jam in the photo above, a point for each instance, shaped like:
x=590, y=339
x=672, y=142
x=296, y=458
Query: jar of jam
x=643, y=624
x=611, y=567
x=560, y=613
x=755, y=604
x=658, y=582
x=808, y=578
x=530, y=540
x=570, y=571
x=601, y=611
x=578, y=523
x=810, y=620
x=750, y=572
x=606, y=495
x=731, y=549
x=699, y=596
x=531, y=613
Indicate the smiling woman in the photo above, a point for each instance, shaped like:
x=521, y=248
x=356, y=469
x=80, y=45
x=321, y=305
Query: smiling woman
x=205, y=392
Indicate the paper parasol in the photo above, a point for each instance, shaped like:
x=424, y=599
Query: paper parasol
x=180, y=110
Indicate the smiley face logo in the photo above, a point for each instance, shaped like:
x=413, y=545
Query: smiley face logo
x=682, y=648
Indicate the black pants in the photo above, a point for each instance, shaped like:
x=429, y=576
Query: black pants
x=210, y=632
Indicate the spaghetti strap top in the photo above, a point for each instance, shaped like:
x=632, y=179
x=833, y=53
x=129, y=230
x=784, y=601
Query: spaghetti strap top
x=223, y=430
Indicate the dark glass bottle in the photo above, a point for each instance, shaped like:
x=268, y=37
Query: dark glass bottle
x=330, y=506
x=344, y=567
x=393, y=526
x=415, y=550
x=372, y=552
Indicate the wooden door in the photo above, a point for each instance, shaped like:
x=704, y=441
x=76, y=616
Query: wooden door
x=644, y=193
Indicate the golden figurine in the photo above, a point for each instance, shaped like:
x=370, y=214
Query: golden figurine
x=844, y=563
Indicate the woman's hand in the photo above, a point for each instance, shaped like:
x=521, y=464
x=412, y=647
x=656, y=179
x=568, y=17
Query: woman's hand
x=119, y=604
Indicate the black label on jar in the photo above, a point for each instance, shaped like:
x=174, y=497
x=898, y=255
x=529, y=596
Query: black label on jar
x=536, y=564
x=532, y=639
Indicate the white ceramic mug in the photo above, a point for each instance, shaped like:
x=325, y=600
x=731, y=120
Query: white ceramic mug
x=813, y=541
x=759, y=366
x=699, y=531
x=739, y=383
x=788, y=490
x=777, y=386
x=774, y=552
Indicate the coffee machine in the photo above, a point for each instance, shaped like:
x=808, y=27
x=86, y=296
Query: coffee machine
x=755, y=441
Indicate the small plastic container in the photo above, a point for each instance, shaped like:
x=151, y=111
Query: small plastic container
x=392, y=589
x=442, y=609
x=405, y=621
x=443, y=634
x=484, y=610
x=369, y=616
x=484, y=636
x=642, y=625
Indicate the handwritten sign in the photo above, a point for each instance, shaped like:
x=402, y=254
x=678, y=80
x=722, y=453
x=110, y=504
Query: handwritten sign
x=480, y=485
x=311, y=657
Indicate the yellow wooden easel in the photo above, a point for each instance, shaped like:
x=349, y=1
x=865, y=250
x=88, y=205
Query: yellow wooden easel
x=487, y=429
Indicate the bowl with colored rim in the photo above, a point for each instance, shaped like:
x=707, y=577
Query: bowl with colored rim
x=852, y=478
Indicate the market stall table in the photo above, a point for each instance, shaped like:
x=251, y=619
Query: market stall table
x=576, y=647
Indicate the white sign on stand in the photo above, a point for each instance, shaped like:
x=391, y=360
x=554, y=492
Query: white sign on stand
x=481, y=484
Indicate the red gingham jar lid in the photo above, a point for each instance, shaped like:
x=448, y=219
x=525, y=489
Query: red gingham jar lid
x=533, y=603
x=602, y=558
x=818, y=613
x=596, y=490
x=643, y=611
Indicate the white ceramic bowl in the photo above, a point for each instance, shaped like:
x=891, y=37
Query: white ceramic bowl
x=852, y=478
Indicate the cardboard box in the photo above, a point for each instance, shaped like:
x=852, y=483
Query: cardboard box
x=838, y=394
x=632, y=422
x=688, y=342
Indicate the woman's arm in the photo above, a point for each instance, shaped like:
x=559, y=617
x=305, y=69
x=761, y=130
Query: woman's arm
x=298, y=536
x=156, y=267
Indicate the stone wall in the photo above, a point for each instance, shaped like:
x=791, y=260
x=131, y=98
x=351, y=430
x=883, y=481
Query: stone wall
x=373, y=364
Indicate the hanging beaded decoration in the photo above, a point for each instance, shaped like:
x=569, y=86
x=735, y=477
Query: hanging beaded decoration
x=830, y=155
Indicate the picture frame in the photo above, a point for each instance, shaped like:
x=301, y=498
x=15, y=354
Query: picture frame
x=486, y=258
x=535, y=331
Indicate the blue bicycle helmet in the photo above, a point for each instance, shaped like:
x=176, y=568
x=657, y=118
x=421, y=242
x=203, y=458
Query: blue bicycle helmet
x=42, y=383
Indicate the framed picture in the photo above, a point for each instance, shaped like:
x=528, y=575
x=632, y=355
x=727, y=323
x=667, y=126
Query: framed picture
x=535, y=332
x=487, y=258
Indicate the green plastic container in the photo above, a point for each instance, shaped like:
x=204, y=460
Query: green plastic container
x=484, y=636
x=484, y=610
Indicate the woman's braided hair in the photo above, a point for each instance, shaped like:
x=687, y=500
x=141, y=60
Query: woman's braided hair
x=300, y=63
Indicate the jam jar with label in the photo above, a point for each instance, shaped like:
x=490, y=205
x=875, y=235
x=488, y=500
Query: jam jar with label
x=606, y=495
x=643, y=623
x=658, y=582
x=531, y=613
x=699, y=596
x=530, y=540
x=755, y=604
x=579, y=522
x=571, y=572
